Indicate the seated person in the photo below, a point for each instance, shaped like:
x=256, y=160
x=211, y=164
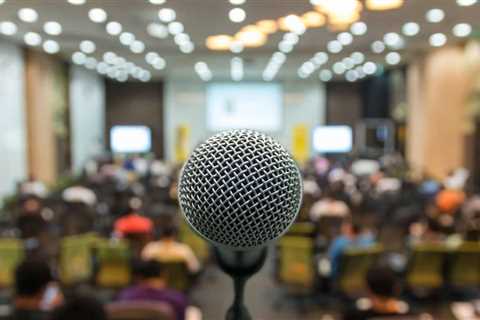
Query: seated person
x=80, y=308
x=30, y=221
x=351, y=236
x=35, y=292
x=151, y=286
x=382, y=299
x=169, y=249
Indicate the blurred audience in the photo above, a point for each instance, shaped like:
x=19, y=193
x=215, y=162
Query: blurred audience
x=80, y=308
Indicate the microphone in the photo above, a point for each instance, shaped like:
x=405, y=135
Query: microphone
x=240, y=190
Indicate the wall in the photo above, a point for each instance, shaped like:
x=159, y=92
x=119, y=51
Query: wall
x=135, y=103
x=87, y=115
x=344, y=103
x=185, y=104
x=13, y=162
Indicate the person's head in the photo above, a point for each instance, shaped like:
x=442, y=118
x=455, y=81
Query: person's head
x=80, y=308
x=31, y=204
x=350, y=229
x=147, y=271
x=32, y=278
x=381, y=282
x=169, y=232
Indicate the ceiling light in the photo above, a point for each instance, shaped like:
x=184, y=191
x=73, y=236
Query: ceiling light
x=466, y=3
x=437, y=39
x=167, y=15
x=325, y=75
x=291, y=38
x=113, y=28
x=219, y=42
x=462, y=30
x=302, y=74
x=348, y=63
x=279, y=57
x=236, y=46
x=2, y=2
x=151, y=57
x=393, y=40
x=360, y=72
x=102, y=67
x=357, y=57
x=187, y=47
x=378, y=46
x=435, y=15
x=292, y=23
x=334, y=46
x=313, y=19
x=91, y=63
x=137, y=46
x=182, y=38
x=157, y=1
x=341, y=12
x=160, y=63
x=345, y=38
x=351, y=75
x=410, y=29
x=76, y=2
x=267, y=26
x=175, y=27
x=393, y=58
x=370, y=68
x=237, y=15
x=285, y=47
x=237, y=2
x=383, y=4
x=79, y=58
x=308, y=67
x=127, y=38
x=51, y=46
x=97, y=15
x=339, y=68
x=28, y=15
x=320, y=58
x=109, y=57
x=87, y=46
x=8, y=28
x=157, y=30
x=52, y=28
x=251, y=37
x=359, y=28
x=32, y=39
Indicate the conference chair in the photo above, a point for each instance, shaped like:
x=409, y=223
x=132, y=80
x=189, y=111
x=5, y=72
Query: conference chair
x=303, y=229
x=353, y=268
x=75, y=261
x=140, y=310
x=464, y=266
x=113, y=263
x=12, y=253
x=177, y=275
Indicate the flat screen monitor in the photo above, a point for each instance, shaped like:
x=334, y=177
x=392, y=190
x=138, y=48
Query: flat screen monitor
x=332, y=139
x=130, y=139
x=253, y=105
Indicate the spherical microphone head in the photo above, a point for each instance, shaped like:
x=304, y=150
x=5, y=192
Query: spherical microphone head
x=240, y=189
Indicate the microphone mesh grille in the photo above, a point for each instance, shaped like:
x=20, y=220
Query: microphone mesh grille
x=240, y=189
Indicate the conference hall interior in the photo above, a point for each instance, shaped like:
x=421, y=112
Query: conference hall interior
x=240, y=159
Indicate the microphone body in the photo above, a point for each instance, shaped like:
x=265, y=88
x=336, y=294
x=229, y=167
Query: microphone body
x=240, y=190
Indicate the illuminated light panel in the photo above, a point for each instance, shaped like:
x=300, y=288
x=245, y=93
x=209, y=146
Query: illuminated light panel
x=379, y=5
x=251, y=37
x=267, y=26
x=219, y=42
x=313, y=19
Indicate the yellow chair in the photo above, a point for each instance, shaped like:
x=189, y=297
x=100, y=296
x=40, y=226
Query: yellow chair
x=426, y=265
x=113, y=258
x=177, y=275
x=464, y=266
x=296, y=263
x=12, y=253
x=199, y=246
x=353, y=268
x=75, y=263
x=306, y=229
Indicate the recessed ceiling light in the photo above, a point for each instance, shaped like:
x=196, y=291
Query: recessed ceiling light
x=285, y=47
x=79, y=58
x=8, y=28
x=91, y=63
x=52, y=28
x=325, y=75
x=393, y=58
x=334, y=46
x=102, y=67
x=292, y=23
x=267, y=26
x=157, y=30
x=28, y=15
x=279, y=57
x=157, y=1
x=51, y=46
x=339, y=68
x=466, y=3
x=320, y=58
x=359, y=28
x=378, y=46
x=348, y=63
x=87, y=46
x=113, y=28
x=175, y=27
x=313, y=19
x=308, y=67
x=187, y=47
x=97, y=15
x=127, y=38
x=160, y=64
x=237, y=15
x=410, y=29
x=437, y=39
x=435, y=15
x=237, y=2
x=351, y=75
x=137, y=46
x=167, y=15
x=369, y=68
x=236, y=46
x=109, y=57
x=76, y=2
x=357, y=57
x=462, y=30
x=32, y=39
x=393, y=40
x=345, y=38
x=151, y=57
x=181, y=38
x=291, y=38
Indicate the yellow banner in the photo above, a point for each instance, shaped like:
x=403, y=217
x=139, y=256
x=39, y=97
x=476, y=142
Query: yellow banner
x=181, y=143
x=300, y=143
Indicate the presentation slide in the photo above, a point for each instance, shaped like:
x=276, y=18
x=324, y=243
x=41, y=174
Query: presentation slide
x=332, y=139
x=130, y=139
x=244, y=106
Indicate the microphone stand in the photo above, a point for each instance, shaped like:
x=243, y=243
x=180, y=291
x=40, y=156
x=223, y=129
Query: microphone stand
x=240, y=266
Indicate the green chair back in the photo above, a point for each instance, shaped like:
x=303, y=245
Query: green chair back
x=306, y=229
x=113, y=258
x=426, y=266
x=75, y=263
x=12, y=253
x=177, y=275
x=296, y=262
x=464, y=266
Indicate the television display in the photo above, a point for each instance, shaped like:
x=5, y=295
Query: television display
x=130, y=139
x=332, y=139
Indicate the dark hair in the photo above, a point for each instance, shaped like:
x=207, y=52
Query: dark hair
x=80, y=308
x=147, y=269
x=31, y=277
x=169, y=231
x=381, y=281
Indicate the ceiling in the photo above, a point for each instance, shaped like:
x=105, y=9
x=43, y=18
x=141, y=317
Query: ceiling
x=202, y=18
